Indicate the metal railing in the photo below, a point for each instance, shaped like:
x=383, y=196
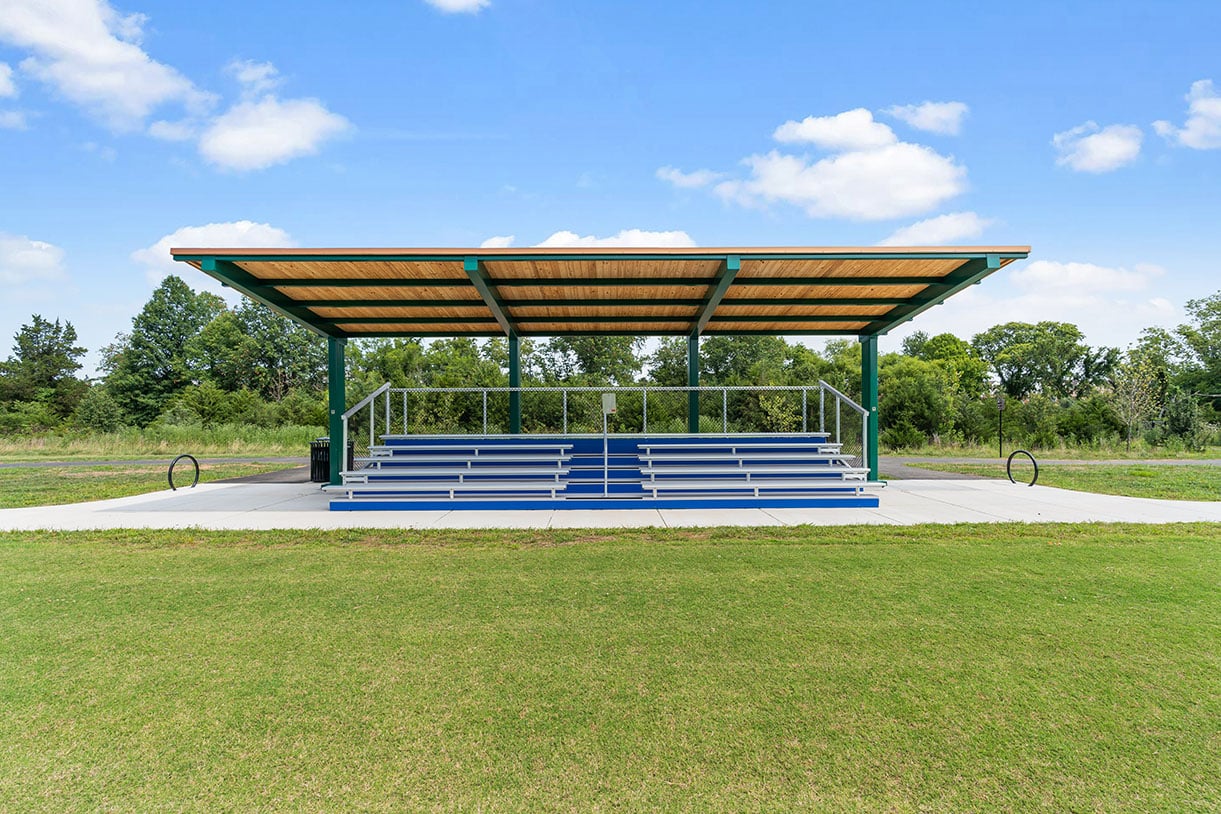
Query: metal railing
x=578, y=411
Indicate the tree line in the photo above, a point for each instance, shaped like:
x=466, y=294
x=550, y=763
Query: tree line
x=190, y=359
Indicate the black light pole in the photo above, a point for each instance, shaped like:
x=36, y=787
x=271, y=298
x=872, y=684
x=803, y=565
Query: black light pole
x=1000, y=423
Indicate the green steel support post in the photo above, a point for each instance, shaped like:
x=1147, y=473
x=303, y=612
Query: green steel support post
x=693, y=380
x=869, y=400
x=337, y=404
x=514, y=381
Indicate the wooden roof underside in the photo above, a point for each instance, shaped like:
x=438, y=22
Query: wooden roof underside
x=541, y=292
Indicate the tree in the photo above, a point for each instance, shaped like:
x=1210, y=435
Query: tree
x=1049, y=358
x=152, y=365
x=42, y=367
x=1201, y=347
x=609, y=359
x=1134, y=394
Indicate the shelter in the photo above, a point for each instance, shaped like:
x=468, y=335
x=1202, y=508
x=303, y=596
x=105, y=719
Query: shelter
x=358, y=293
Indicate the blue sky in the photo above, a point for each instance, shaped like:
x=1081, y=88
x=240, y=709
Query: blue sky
x=1091, y=131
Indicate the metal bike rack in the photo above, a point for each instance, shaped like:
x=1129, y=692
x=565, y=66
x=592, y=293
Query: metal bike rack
x=174, y=463
x=1009, y=466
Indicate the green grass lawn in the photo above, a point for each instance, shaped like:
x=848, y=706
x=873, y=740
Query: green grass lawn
x=965, y=668
x=1138, y=451
x=54, y=485
x=1184, y=482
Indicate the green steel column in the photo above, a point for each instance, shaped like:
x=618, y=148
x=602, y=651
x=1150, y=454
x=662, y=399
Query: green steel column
x=869, y=400
x=693, y=380
x=337, y=403
x=514, y=381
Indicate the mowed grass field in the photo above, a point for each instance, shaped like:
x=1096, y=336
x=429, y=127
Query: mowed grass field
x=57, y=485
x=965, y=668
x=1177, y=482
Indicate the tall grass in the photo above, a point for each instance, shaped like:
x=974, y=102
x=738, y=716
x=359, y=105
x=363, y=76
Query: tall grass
x=160, y=440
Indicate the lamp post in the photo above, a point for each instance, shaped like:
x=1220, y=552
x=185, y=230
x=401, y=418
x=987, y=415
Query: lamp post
x=1000, y=423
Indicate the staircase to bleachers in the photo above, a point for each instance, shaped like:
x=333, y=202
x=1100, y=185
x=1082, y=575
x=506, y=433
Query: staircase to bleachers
x=587, y=471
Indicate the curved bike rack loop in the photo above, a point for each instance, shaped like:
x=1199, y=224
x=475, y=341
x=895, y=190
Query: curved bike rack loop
x=1009, y=466
x=174, y=463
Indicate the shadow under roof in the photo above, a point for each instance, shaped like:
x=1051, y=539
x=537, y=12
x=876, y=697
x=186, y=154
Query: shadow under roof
x=352, y=293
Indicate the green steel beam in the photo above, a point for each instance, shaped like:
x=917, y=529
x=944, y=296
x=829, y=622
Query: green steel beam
x=869, y=400
x=693, y=381
x=239, y=279
x=479, y=278
x=966, y=275
x=543, y=333
x=523, y=323
x=336, y=381
x=730, y=267
x=514, y=381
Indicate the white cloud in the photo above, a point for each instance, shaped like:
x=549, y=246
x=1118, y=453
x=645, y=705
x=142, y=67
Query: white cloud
x=1083, y=279
x=635, y=238
x=850, y=130
x=1202, y=131
x=688, y=180
x=1089, y=148
x=498, y=242
x=12, y=120
x=459, y=6
x=255, y=77
x=242, y=234
x=24, y=261
x=934, y=117
x=942, y=230
x=1085, y=294
x=254, y=135
x=898, y=180
x=91, y=54
x=7, y=87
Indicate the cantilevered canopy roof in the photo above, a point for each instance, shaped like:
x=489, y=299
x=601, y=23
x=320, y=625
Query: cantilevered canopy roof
x=557, y=292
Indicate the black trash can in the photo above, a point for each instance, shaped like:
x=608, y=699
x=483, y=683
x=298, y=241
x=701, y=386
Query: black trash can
x=320, y=459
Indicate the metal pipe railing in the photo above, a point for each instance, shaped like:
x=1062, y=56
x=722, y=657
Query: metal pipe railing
x=450, y=415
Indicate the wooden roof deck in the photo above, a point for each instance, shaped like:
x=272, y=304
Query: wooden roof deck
x=860, y=291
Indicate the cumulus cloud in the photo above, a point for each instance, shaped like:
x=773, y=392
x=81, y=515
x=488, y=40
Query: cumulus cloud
x=850, y=130
x=942, y=230
x=242, y=234
x=1084, y=279
x=498, y=242
x=934, y=117
x=92, y=56
x=1202, y=131
x=870, y=173
x=255, y=77
x=635, y=238
x=688, y=180
x=254, y=135
x=24, y=261
x=7, y=87
x=894, y=181
x=459, y=6
x=1090, y=148
x=1085, y=294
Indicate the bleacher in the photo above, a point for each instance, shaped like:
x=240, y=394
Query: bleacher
x=584, y=471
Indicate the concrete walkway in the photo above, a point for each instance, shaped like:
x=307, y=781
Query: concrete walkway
x=304, y=506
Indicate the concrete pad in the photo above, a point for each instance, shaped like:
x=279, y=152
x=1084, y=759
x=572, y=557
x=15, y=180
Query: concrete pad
x=305, y=506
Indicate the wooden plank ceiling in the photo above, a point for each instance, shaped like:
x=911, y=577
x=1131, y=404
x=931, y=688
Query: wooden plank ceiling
x=548, y=292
